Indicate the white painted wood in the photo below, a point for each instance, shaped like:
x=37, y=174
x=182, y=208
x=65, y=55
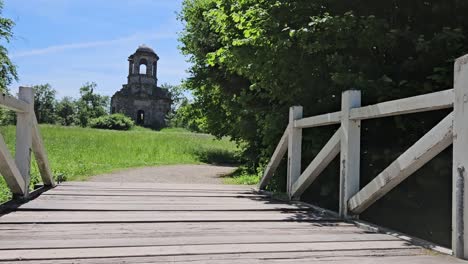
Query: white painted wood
x=320, y=162
x=9, y=170
x=41, y=155
x=275, y=159
x=320, y=120
x=460, y=161
x=350, y=150
x=415, y=104
x=431, y=144
x=12, y=103
x=24, y=135
x=294, y=148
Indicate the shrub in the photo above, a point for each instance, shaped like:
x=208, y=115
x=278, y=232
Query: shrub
x=114, y=121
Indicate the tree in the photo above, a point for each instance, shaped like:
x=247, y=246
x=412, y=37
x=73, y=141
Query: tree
x=7, y=68
x=45, y=103
x=66, y=111
x=252, y=59
x=90, y=105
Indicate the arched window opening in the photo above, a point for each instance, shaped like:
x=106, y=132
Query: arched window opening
x=143, y=66
x=140, y=117
x=142, y=69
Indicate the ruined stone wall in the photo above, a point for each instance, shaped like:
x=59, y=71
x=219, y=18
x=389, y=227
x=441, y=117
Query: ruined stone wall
x=155, y=110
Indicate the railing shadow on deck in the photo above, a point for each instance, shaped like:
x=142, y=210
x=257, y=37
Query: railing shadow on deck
x=307, y=213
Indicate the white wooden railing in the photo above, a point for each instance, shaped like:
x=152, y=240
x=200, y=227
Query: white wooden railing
x=17, y=171
x=346, y=141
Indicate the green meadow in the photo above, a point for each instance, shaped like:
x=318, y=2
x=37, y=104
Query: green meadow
x=76, y=153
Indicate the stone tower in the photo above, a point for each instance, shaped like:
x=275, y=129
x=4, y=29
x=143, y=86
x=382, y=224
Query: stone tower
x=141, y=99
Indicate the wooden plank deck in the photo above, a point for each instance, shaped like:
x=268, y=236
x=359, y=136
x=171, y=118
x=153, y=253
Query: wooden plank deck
x=83, y=222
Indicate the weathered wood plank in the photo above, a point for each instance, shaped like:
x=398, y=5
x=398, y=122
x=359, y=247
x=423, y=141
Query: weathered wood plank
x=275, y=160
x=153, y=186
x=170, y=229
x=12, y=103
x=320, y=120
x=350, y=151
x=156, y=200
x=426, y=148
x=410, y=105
x=460, y=161
x=112, y=206
x=294, y=149
x=149, y=194
x=145, y=216
x=145, y=251
x=355, y=256
x=224, y=236
x=41, y=155
x=10, y=172
x=320, y=162
x=199, y=239
x=24, y=136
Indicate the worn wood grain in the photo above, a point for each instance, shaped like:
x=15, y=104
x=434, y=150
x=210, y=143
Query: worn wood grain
x=125, y=228
x=410, y=105
x=460, y=160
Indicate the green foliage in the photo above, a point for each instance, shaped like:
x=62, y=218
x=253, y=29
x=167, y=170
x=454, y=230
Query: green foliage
x=253, y=59
x=7, y=68
x=114, y=122
x=66, y=111
x=242, y=176
x=45, y=104
x=188, y=116
x=90, y=105
x=76, y=153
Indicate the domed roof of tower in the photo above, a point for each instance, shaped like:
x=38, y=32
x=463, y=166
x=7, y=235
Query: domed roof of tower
x=144, y=48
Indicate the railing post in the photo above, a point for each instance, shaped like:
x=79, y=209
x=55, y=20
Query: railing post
x=24, y=136
x=294, y=148
x=350, y=150
x=460, y=160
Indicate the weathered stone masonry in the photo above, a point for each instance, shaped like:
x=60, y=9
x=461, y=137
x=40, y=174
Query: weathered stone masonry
x=141, y=98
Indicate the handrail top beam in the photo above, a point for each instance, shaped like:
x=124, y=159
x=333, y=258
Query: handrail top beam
x=416, y=104
x=12, y=103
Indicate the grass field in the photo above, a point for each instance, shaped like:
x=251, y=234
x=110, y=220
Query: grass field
x=77, y=153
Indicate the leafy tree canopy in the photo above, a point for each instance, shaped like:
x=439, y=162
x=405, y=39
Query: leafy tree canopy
x=7, y=68
x=253, y=59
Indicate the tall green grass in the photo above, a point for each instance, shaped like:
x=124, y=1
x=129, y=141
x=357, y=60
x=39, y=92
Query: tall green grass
x=77, y=153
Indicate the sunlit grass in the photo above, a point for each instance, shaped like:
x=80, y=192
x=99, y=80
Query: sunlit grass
x=77, y=153
x=242, y=177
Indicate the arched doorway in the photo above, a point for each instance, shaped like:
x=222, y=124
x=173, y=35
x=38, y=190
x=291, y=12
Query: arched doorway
x=140, y=120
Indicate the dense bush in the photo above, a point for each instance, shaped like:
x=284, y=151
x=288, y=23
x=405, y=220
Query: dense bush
x=114, y=121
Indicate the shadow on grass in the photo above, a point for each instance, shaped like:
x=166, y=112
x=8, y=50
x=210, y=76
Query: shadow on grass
x=218, y=157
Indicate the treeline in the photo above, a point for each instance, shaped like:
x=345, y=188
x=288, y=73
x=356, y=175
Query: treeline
x=90, y=109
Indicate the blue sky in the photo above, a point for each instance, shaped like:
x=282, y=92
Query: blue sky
x=69, y=42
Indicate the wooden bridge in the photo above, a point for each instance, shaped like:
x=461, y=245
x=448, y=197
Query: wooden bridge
x=80, y=222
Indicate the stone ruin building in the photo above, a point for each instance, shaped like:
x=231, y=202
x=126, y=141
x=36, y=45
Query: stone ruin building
x=141, y=99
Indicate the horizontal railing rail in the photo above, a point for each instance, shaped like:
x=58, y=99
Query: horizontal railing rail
x=346, y=141
x=16, y=171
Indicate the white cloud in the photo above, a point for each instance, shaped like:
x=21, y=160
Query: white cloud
x=93, y=44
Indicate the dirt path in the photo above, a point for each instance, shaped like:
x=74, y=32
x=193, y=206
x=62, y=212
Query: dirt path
x=189, y=174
